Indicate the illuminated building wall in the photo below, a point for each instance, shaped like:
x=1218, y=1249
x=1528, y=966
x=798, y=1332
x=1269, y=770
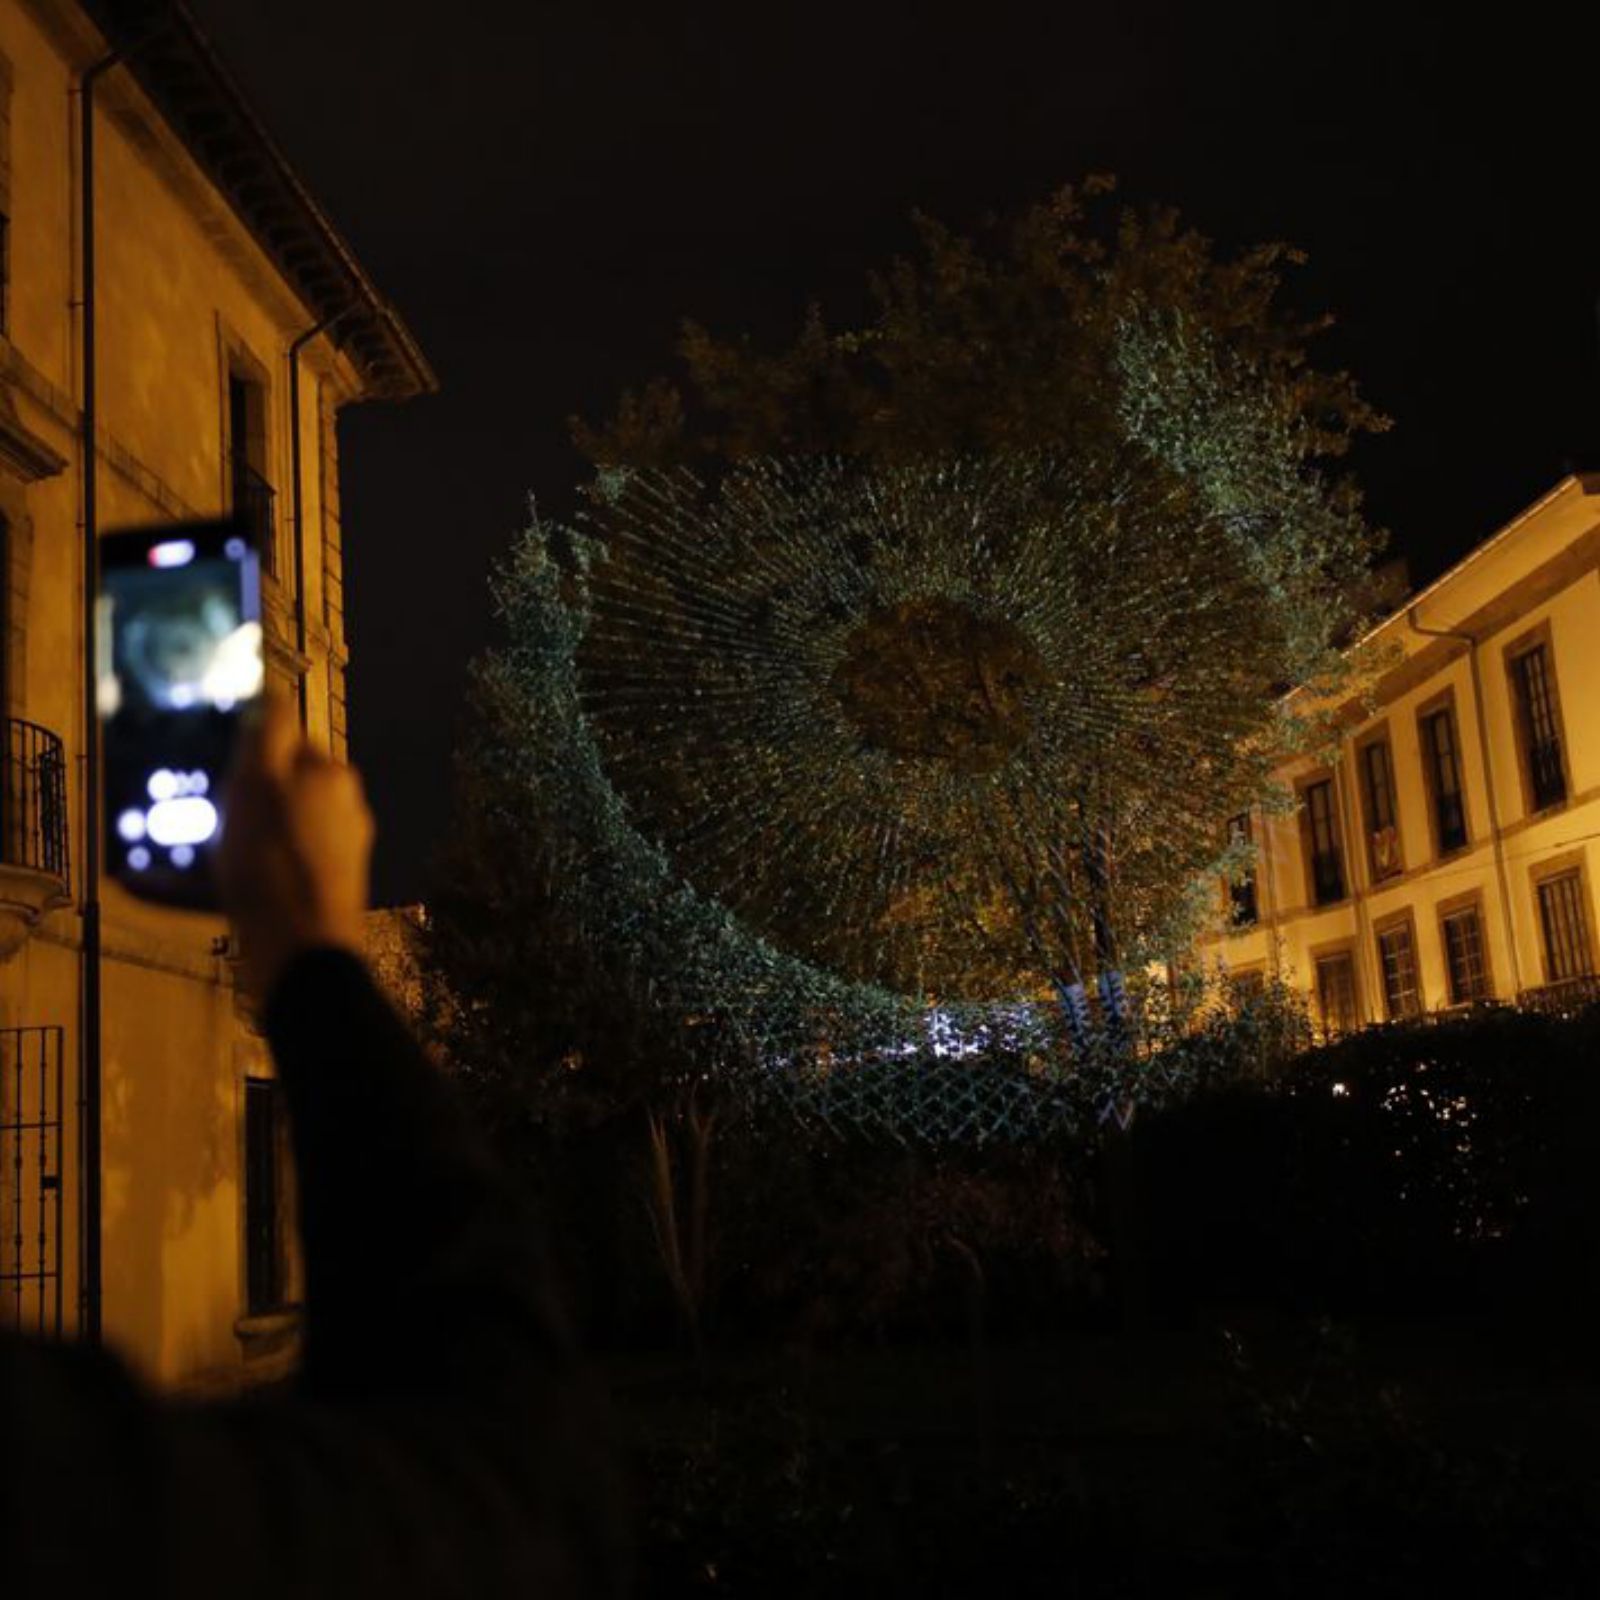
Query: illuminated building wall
x=1448, y=854
x=211, y=261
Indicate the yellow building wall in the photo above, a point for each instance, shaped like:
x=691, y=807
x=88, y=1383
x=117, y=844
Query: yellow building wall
x=1540, y=572
x=179, y=283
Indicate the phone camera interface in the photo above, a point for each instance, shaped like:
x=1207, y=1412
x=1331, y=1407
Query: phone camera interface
x=184, y=655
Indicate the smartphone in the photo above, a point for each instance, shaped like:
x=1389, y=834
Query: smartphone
x=179, y=662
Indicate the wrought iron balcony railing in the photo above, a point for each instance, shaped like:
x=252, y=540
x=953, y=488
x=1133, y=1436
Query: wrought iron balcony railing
x=1562, y=999
x=33, y=800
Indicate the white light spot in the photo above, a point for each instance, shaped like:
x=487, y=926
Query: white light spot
x=130, y=825
x=190, y=820
x=183, y=855
x=172, y=553
x=162, y=785
x=199, y=783
x=138, y=858
x=234, y=549
x=1341, y=1089
x=235, y=671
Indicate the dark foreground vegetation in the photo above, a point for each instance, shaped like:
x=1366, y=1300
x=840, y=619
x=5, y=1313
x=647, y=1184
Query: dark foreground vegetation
x=1327, y=1327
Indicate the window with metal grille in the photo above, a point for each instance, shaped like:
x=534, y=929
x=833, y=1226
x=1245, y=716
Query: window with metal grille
x=1336, y=993
x=1242, y=889
x=31, y=1239
x=1541, y=729
x=264, y=1254
x=1377, y=786
x=1442, y=766
x=1462, y=935
x=1322, y=837
x=1397, y=958
x=1565, y=925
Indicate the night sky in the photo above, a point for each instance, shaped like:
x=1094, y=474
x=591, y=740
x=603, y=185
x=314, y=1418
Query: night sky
x=546, y=189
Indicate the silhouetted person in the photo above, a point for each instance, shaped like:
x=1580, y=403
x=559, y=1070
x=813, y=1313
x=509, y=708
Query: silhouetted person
x=442, y=1436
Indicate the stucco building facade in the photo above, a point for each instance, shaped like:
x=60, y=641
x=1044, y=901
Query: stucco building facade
x=1447, y=854
x=213, y=270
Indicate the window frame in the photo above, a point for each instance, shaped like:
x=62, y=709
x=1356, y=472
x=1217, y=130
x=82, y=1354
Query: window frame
x=1242, y=826
x=1573, y=864
x=1378, y=739
x=1399, y=922
x=1446, y=911
x=1325, y=779
x=238, y=362
x=1443, y=706
x=264, y=1299
x=1339, y=950
x=1525, y=644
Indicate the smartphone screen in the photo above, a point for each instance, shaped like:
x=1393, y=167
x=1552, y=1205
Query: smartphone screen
x=180, y=658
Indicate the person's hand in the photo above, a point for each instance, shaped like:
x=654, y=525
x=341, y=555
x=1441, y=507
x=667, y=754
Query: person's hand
x=296, y=844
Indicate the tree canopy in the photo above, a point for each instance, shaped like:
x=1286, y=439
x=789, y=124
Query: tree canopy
x=1162, y=541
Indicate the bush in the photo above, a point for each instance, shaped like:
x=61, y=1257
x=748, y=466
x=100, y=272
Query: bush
x=1427, y=1165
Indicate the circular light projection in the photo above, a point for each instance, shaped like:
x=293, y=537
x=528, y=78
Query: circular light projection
x=860, y=762
x=913, y=724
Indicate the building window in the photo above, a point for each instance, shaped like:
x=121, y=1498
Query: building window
x=1565, y=925
x=1336, y=993
x=1377, y=795
x=247, y=461
x=1397, y=961
x=1242, y=889
x=1441, y=766
x=1322, y=843
x=265, y=1283
x=1539, y=727
x=1247, y=988
x=1461, y=933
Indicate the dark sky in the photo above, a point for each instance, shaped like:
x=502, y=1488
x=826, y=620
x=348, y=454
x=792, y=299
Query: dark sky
x=545, y=189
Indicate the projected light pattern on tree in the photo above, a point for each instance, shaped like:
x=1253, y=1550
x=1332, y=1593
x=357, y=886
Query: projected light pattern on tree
x=896, y=720
x=876, y=768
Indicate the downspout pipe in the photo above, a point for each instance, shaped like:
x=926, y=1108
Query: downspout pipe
x=1471, y=642
x=90, y=1296
x=297, y=495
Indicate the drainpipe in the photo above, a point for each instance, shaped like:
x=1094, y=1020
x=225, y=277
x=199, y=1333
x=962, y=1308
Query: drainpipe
x=1471, y=643
x=297, y=493
x=89, y=1085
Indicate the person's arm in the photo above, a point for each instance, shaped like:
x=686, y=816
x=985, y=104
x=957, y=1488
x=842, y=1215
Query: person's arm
x=447, y=1439
x=444, y=1438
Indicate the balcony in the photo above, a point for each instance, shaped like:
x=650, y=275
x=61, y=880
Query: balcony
x=1564, y=999
x=34, y=876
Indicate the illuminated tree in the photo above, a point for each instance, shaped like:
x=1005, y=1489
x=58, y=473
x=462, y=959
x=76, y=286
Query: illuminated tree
x=899, y=681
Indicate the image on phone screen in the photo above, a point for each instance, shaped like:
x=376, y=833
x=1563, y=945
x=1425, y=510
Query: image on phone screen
x=180, y=657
